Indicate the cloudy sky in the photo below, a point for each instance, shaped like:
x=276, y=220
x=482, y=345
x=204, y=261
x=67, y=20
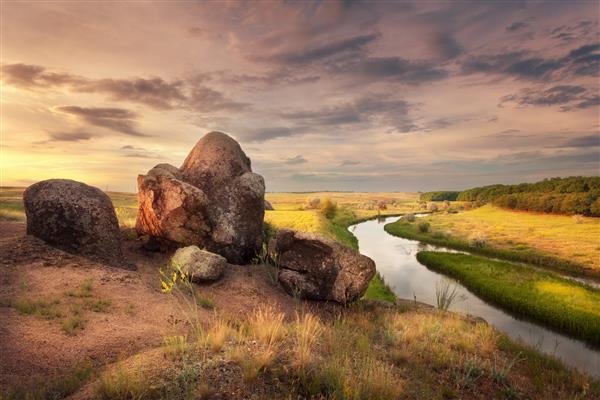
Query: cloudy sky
x=348, y=95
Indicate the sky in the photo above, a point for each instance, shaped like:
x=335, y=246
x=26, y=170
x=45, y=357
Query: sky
x=326, y=95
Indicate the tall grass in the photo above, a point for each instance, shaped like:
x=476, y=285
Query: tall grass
x=445, y=294
x=307, y=332
x=568, y=306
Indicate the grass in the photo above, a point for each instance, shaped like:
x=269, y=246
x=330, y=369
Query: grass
x=57, y=388
x=565, y=305
x=41, y=307
x=544, y=239
x=375, y=353
x=483, y=242
x=73, y=325
x=85, y=289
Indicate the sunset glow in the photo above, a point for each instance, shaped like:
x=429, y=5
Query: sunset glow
x=394, y=96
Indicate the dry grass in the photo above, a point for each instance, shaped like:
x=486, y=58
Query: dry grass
x=556, y=235
x=352, y=200
x=266, y=326
x=306, y=332
x=363, y=353
x=218, y=334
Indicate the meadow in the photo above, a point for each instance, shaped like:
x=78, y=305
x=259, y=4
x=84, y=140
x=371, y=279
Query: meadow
x=563, y=304
x=566, y=243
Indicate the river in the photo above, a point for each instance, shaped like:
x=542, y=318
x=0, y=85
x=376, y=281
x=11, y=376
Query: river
x=396, y=261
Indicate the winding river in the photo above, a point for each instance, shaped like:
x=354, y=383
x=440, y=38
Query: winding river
x=397, y=263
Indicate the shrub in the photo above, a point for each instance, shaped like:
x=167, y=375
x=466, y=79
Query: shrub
x=478, y=239
x=409, y=217
x=328, y=208
x=382, y=205
x=312, y=204
x=578, y=219
x=423, y=227
x=71, y=326
x=439, y=196
x=432, y=207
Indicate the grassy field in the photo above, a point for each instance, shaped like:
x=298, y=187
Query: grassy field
x=560, y=242
x=356, y=201
x=559, y=303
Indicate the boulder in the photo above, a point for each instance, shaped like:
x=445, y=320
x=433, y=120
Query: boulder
x=318, y=268
x=199, y=265
x=213, y=201
x=74, y=217
x=268, y=206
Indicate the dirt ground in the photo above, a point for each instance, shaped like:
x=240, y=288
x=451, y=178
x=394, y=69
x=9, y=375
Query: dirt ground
x=138, y=317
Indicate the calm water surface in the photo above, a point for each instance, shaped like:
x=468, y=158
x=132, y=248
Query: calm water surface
x=396, y=261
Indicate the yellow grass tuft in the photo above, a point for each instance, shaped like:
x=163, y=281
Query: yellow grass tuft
x=307, y=331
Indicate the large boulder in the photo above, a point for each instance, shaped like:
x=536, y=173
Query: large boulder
x=199, y=265
x=317, y=268
x=74, y=217
x=214, y=201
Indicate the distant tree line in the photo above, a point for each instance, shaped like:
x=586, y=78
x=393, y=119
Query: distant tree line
x=439, y=196
x=573, y=195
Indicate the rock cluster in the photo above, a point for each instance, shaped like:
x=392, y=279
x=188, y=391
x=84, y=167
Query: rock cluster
x=213, y=201
x=74, y=217
x=317, y=268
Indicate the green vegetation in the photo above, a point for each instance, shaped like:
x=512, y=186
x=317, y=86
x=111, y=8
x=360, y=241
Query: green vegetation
x=378, y=289
x=439, y=196
x=549, y=241
x=54, y=389
x=573, y=195
x=563, y=304
x=73, y=325
x=43, y=308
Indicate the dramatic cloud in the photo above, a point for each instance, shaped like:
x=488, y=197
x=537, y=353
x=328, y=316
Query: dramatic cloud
x=569, y=97
x=581, y=61
x=153, y=92
x=516, y=26
x=116, y=119
x=35, y=76
x=368, y=110
x=130, y=151
x=346, y=47
x=347, y=163
x=580, y=30
x=69, y=137
x=296, y=160
x=395, y=68
x=446, y=45
x=584, y=141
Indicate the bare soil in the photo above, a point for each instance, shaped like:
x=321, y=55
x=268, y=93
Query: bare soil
x=139, y=316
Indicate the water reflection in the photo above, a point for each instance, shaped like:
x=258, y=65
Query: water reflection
x=396, y=261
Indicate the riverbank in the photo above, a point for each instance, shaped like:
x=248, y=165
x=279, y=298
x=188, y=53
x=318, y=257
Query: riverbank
x=480, y=241
x=558, y=303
